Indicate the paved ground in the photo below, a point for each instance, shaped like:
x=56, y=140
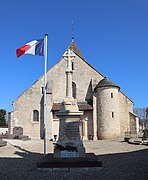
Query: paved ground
x=120, y=161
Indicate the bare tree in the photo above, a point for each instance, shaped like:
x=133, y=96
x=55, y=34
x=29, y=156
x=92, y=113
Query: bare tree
x=141, y=113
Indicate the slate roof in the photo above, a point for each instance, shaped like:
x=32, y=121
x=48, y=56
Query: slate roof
x=106, y=83
x=82, y=107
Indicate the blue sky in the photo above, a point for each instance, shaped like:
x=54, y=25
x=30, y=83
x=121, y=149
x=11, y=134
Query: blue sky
x=112, y=35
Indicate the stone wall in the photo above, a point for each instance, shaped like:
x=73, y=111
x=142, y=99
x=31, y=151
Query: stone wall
x=124, y=109
x=32, y=98
x=108, y=112
x=88, y=123
x=133, y=129
x=82, y=76
x=23, y=110
x=109, y=118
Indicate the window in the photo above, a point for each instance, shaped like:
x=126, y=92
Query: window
x=42, y=90
x=112, y=114
x=111, y=95
x=73, y=66
x=35, y=115
x=74, y=90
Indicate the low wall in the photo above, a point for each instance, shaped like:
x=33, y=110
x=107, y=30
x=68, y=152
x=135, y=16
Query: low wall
x=3, y=130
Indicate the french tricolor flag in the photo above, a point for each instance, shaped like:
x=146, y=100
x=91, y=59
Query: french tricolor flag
x=35, y=47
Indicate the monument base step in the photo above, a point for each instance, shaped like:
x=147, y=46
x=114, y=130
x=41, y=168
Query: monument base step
x=50, y=163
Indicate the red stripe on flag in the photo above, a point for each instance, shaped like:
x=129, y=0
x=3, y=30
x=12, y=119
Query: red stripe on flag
x=20, y=51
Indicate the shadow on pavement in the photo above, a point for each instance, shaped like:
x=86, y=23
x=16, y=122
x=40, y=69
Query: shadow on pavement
x=129, y=165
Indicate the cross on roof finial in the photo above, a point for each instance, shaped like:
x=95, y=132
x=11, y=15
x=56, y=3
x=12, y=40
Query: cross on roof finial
x=72, y=31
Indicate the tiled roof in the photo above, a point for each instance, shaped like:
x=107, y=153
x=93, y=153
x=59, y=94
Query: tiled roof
x=56, y=107
x=106, y=83
x=82, y=107
x=74, y=47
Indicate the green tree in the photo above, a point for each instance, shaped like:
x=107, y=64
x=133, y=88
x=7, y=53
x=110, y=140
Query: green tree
x=2, y=117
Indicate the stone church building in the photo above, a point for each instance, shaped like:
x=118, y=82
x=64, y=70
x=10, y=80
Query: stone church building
x=107, y=110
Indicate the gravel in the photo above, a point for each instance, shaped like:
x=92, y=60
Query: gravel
x=120, y=160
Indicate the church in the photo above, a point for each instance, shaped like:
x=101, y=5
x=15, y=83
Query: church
x=107, y=111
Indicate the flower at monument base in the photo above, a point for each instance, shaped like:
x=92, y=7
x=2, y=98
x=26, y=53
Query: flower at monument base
x=58, y=147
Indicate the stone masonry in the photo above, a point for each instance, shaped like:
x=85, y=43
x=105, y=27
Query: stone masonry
x=108, y=116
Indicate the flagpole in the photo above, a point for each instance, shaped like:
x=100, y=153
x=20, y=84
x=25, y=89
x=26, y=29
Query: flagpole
x=45, y=57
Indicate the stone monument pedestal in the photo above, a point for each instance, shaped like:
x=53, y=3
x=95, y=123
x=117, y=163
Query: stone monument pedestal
x=69, y=152
x=88, y=163
x=69, y=143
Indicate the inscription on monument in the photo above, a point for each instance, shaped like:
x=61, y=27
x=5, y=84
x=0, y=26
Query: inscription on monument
x=69, y=154
x=72, y=130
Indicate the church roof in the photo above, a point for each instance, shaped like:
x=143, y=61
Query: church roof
x=103, y=83
x=81, y=106
x=106, y=83
x=74, y=47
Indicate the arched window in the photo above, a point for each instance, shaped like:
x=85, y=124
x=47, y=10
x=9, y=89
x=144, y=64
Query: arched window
x=35, y=115
x=74, y=89
x=73, y=66
x=112, y=95
x=113, y=115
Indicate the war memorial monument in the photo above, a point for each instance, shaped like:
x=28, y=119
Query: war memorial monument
x=69, y=152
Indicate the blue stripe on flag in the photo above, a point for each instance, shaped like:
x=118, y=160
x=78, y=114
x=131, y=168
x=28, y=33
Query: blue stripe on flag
x=39, y=49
